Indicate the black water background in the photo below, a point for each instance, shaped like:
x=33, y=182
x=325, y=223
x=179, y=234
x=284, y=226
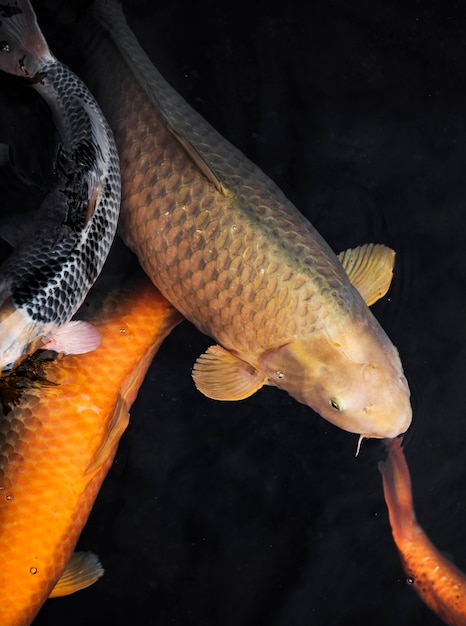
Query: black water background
x=257, y=512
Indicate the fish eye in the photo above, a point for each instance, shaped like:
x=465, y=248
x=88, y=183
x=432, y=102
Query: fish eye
x=336, y=404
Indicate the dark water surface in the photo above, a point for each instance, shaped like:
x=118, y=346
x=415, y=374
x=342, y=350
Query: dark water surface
x=258, y=513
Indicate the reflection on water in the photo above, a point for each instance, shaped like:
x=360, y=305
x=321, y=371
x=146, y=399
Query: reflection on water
x=258, y=512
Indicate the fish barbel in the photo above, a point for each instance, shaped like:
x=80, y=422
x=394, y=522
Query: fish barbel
x=47, y=277
x=60, y=423
x=436, y=579
x=235, y=257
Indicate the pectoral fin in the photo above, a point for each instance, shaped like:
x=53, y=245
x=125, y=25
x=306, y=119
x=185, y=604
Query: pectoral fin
x=370, y=269
x=220, y=375
x=82, y=570
x=75, y=337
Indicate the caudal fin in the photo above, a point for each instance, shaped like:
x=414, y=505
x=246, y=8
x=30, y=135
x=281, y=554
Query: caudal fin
x=23, y=48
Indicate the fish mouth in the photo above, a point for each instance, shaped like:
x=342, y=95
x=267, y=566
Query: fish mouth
x=394, y=432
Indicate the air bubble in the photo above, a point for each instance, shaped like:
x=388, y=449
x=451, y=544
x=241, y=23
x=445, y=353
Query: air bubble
x=410, y=580
x=9, y=497
x=33, y=570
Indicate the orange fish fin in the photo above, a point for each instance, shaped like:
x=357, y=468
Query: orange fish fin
x=83, y=569
x=76, y=337
x=370, y=269
x=200, y=162
x=117, y=426
x=220, y=375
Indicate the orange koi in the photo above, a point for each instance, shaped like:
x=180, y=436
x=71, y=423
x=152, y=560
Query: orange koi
x=440, y=584
x=60, y=425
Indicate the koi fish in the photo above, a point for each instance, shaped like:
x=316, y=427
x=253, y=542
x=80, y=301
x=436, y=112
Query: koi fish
x=60, y=423
x=440, y=584
x=47, y=277
x=235, y=257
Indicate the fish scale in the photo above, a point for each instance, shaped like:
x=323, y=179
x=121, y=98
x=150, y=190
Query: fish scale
x=234, y=256
x=60, y=422
x=436, y=579
x=46, y=278
x=70, y=259
x=201, y=253
x=185, y=232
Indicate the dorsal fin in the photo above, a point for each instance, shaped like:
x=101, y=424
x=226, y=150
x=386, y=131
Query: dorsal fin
x=199, y=161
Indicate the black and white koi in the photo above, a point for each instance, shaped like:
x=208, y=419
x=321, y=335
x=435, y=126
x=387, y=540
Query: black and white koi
x=48, y=275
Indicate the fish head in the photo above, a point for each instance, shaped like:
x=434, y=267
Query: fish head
x=353, y=379
x=23, y=48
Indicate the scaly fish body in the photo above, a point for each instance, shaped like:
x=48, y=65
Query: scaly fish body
x=228, y=250
x=439, y=583
x=58, y=438
x=46, y=278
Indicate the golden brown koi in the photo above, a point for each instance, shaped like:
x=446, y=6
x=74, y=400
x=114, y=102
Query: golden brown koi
x=440, y=584
x=60, y=425
x=235, y=257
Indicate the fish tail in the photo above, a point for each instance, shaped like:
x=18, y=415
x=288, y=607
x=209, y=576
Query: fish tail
x=23, y=49
x=397, y=488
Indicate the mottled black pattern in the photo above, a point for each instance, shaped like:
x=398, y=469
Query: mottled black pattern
x=50, y=273
x=17, y=386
